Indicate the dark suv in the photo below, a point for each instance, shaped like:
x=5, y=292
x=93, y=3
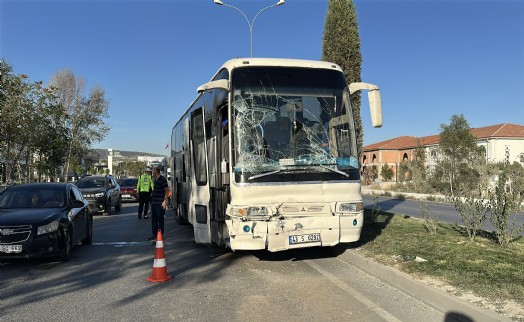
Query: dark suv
x=102, y=192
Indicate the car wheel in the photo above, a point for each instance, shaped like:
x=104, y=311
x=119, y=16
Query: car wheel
x=68, y=245
x=118, y=206
x=108, y=207
x=89, y=234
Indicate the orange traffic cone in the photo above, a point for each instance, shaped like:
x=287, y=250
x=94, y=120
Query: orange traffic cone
x=159, y=273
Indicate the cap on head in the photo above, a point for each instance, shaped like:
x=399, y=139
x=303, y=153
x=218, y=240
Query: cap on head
x=148, y=169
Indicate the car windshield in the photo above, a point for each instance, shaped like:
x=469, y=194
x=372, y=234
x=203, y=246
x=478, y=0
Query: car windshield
x=91, y=183
x=128, y=182
x=32, y=198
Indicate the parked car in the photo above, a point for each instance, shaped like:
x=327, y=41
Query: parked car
x=102, y=192
x=128, y=189
x=43, y=219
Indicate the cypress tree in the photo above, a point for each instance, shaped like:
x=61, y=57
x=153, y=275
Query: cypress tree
x=341, y=45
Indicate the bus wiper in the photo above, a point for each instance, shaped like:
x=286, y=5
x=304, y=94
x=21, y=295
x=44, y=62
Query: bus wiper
x=334, y=170
x=263, y=174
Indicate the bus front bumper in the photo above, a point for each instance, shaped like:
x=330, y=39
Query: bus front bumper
x=279, y=234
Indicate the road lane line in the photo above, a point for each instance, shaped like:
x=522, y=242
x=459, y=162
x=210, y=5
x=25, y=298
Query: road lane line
x=357, y=295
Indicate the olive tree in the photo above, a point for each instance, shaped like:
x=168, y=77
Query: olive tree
x=457, y=151
x=505, y=200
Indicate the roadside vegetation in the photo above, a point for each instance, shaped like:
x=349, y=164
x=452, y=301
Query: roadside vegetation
x=47, y=131
x=428, y=249
x=461, y=175
x=468, y=261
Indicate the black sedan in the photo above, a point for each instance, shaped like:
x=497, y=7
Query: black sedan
x=42, y=220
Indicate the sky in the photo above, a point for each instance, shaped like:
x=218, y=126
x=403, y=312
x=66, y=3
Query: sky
x=430, y=59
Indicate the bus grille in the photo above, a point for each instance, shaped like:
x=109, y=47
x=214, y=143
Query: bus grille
x=302, y=208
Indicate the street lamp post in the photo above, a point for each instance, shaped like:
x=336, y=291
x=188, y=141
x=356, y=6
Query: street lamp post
x=250, y=24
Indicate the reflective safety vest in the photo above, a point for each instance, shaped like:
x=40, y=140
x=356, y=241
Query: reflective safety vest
x=145, y=183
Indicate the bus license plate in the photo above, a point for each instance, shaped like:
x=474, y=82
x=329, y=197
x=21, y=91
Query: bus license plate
x=300, y=239
x=10, y=248
x=126, y=196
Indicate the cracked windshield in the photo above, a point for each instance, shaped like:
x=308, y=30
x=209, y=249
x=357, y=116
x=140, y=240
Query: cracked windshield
x=284, y=128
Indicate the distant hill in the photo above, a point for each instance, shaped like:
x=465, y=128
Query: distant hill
x=117, y=154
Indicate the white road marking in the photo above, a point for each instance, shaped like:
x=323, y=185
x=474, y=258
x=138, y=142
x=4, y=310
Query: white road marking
x=358, y=296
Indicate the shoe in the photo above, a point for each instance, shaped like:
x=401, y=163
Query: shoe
x=146, y=216
x=152, y=239
x=139, y=217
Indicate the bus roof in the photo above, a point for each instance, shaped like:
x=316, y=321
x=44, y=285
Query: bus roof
x=279, y=62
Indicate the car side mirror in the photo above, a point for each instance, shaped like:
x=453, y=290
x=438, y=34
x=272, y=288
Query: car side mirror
x=78, y=203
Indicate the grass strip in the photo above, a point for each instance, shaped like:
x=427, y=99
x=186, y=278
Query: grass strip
x=480, y=266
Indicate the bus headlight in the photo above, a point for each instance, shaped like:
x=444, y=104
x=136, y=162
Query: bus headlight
x=351, y=207
x=249, y=212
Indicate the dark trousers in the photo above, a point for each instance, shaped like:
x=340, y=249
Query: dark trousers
x=144, y=198
x=157, y=218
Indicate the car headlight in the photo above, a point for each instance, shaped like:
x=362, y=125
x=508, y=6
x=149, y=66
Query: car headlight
x=49, y=228
x=100, y=194
x=351, y=207
x=249, y=212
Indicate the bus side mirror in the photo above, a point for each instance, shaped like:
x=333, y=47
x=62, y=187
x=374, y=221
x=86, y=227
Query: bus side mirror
x=219, y=84
x=375, y=106
x=375, y=102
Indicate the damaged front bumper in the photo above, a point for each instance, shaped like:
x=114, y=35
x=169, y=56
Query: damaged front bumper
x=294, y=229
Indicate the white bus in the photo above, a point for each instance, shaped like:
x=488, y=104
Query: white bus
x=266, y=156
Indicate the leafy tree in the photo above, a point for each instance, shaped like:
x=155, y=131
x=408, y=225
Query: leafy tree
x=51, y=137
x=404, y=173
x=17, y=119
x=414, y=170
x=516, y=175
x=341, y=45
x=386, y=172
x=366, y=174
x=503, y=202
x=417, y=168
x=458, y=150
x=374, y=172
x=38, y=134
x=472, y=211
x=131, y=168
x=85, y=115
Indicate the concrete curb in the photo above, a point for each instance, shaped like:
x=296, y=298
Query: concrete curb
x=439, y=299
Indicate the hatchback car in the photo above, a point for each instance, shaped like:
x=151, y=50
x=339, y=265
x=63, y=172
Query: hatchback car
x=102, y=192
x=43, y=219
x=128, y=189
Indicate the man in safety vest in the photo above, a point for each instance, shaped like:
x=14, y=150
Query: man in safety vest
x=144, y=187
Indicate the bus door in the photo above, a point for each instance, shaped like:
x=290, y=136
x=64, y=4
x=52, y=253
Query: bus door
x=221, y=189
x=200, y=181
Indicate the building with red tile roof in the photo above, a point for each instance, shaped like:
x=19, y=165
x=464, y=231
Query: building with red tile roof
x=497, y=140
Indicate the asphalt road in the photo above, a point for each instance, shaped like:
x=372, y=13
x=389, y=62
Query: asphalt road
x=106, y=281
x=442, y=211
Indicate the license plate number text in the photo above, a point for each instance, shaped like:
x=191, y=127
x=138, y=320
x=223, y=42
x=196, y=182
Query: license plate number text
x=300, y=239
x=10, y=248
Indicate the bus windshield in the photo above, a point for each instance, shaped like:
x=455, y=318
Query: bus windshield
x=292, y=120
